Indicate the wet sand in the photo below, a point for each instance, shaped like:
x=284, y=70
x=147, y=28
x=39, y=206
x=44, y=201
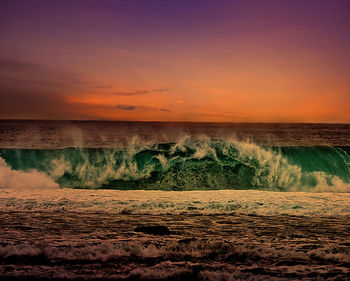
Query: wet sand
x=100, y=243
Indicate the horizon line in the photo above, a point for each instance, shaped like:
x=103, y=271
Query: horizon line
x=154, y=121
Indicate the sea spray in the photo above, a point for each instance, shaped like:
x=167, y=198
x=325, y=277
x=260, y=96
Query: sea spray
x=190, y=164
x=10, y=178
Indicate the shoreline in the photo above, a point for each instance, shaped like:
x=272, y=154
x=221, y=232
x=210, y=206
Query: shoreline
x=255, y=202
x=53, y=245
x=76, y=234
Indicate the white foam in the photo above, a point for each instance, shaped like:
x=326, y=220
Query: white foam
x=275, y=170
x=19, y=179
x=177, y=202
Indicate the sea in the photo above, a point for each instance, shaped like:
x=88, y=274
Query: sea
x=108, y=200
x=179, y=156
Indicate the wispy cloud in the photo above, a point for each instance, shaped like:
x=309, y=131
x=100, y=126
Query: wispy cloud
x=30, y=90
x=137, y=93
x=111, y=107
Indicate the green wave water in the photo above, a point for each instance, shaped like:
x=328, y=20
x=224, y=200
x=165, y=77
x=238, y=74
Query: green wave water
x=189, y=165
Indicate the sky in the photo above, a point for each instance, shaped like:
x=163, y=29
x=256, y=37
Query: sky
x=183, y=60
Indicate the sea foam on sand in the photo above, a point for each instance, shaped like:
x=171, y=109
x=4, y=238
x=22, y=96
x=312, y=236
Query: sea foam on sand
x=71, y=234
x=177, y=202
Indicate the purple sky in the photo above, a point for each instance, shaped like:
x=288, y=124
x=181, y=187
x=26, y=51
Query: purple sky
x=259, y=60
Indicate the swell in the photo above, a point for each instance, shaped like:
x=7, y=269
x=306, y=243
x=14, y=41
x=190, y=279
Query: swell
x=188, y=165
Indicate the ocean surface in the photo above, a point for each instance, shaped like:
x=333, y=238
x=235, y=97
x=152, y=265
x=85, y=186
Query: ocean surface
x=235, y=201
x=176, y=156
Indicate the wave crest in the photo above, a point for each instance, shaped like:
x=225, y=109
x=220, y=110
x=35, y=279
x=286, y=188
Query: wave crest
x=188, y=164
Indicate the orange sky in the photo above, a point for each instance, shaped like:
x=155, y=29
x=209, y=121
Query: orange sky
x=244, y=61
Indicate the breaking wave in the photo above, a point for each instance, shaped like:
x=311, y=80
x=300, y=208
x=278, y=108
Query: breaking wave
x=21, y=179
x=184, y=165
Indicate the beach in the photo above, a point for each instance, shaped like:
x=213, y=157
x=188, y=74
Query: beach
x=174, y=140
x=174, y=201
x=70, y=234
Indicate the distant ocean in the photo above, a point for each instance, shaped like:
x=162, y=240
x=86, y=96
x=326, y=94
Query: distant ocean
x=176, y=156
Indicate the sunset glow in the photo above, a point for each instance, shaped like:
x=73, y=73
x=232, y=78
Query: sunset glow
x=231, y=61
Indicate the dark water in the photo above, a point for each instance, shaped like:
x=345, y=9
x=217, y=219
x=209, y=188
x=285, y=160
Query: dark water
x=61, y=134
x=181, y=156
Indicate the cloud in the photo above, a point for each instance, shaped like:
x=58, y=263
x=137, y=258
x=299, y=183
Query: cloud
x=26, y=75
x=21, y=103
x=137, y=93
x=109, y=107
x=125, y=107
x=30, y=90
x=133, y=107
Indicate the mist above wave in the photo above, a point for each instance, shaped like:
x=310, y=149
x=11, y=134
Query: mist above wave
x=183, y=165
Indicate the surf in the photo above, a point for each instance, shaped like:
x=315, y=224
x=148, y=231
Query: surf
x=188, y=164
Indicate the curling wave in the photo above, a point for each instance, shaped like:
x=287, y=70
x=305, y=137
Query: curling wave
x=188, y=165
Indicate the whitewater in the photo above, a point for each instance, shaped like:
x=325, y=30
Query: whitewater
x=238, y=201
x=185, y=165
